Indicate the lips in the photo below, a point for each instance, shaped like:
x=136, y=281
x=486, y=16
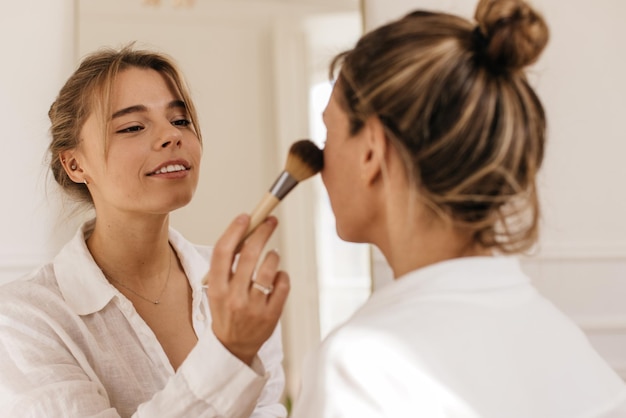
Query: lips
x=171, y=167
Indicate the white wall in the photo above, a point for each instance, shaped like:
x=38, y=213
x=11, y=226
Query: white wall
x=581, y=259
x=37, y=44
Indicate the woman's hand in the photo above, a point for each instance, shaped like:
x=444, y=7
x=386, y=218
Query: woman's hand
x=245, y=305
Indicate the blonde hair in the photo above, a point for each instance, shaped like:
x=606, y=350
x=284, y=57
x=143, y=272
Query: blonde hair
x=454, y=100
x=88, y=90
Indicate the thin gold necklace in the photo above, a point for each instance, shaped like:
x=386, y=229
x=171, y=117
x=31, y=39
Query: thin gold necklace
x=158, y=299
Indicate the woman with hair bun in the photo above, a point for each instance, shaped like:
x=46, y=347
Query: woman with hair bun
x=434, y=142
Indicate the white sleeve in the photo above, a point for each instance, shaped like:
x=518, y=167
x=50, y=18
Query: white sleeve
x=211, y=382
x=234, y=389
x=41, y=375
x=271, y=356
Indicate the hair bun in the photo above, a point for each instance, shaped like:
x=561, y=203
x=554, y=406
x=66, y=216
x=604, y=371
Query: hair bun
x=515, y=34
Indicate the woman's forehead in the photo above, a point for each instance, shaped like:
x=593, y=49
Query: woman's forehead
x=134, y=85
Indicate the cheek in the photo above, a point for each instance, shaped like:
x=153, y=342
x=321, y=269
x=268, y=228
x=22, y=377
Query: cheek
x=342, y=185
x=329, y=173
x=196, y=150
x=123, y=162
x=337, y=186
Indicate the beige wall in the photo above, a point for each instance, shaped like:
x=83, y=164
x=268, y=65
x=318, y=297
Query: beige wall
x=581, y=260
x=37, y=44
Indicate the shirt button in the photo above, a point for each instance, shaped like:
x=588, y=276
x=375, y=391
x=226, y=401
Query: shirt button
x=200, y=317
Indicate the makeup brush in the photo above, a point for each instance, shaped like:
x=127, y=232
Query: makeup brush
x=304, y=160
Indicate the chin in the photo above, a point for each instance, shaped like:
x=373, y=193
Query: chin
x=349, y=235
x=179, y=201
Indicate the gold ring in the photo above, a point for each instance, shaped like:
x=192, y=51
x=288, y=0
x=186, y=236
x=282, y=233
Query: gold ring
x=265, y=290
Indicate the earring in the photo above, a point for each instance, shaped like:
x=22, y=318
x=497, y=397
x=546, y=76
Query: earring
x=73, y=167
x=86, y=182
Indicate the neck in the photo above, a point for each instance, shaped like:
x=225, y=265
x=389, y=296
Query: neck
x=408, y=232
x=414, y=253
x=422, y=239
x=131, y=249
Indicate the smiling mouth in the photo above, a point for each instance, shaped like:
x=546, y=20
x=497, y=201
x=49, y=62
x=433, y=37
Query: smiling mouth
x=172, y=168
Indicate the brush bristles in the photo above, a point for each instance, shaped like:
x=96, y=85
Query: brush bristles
x=304, y=160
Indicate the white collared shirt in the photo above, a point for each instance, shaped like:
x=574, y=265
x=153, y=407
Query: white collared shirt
x=465, y=338
x=72, y=345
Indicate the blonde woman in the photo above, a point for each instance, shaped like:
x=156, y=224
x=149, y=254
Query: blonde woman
x=119, y=323
x=434, y=140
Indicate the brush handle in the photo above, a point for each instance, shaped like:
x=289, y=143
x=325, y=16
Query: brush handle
x=283, y=185
x=258, y=215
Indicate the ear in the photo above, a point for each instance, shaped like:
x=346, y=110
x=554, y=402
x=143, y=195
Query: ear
x=72, y=167
x=375, y=151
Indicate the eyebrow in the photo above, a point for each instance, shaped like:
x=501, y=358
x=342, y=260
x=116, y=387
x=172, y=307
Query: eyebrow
x=141, y=108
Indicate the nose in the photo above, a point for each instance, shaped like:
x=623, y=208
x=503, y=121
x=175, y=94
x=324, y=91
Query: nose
x=167, y=143
x=169, y=135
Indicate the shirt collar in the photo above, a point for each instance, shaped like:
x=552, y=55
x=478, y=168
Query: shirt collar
x=461, y=274
x=83, y=285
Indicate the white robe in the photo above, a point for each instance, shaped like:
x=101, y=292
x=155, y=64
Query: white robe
x=465, y=338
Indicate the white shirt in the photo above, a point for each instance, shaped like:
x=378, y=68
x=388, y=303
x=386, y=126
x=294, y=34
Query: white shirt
x=72, y=345
x=465, y=338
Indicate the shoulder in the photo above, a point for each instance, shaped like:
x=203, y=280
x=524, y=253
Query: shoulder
x=39, y=282
x=31, y=296
x=358, y=370
x=370, y=352
x=355, y=342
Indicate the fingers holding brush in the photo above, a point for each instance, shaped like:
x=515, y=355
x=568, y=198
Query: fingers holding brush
x=250, y=254
x=245, y=315
x=270, y=285
x=246, y=303
x=224, y=254
x=262, y=284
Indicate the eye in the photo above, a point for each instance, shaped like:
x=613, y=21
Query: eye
x=181, y=122
x=130, y=129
